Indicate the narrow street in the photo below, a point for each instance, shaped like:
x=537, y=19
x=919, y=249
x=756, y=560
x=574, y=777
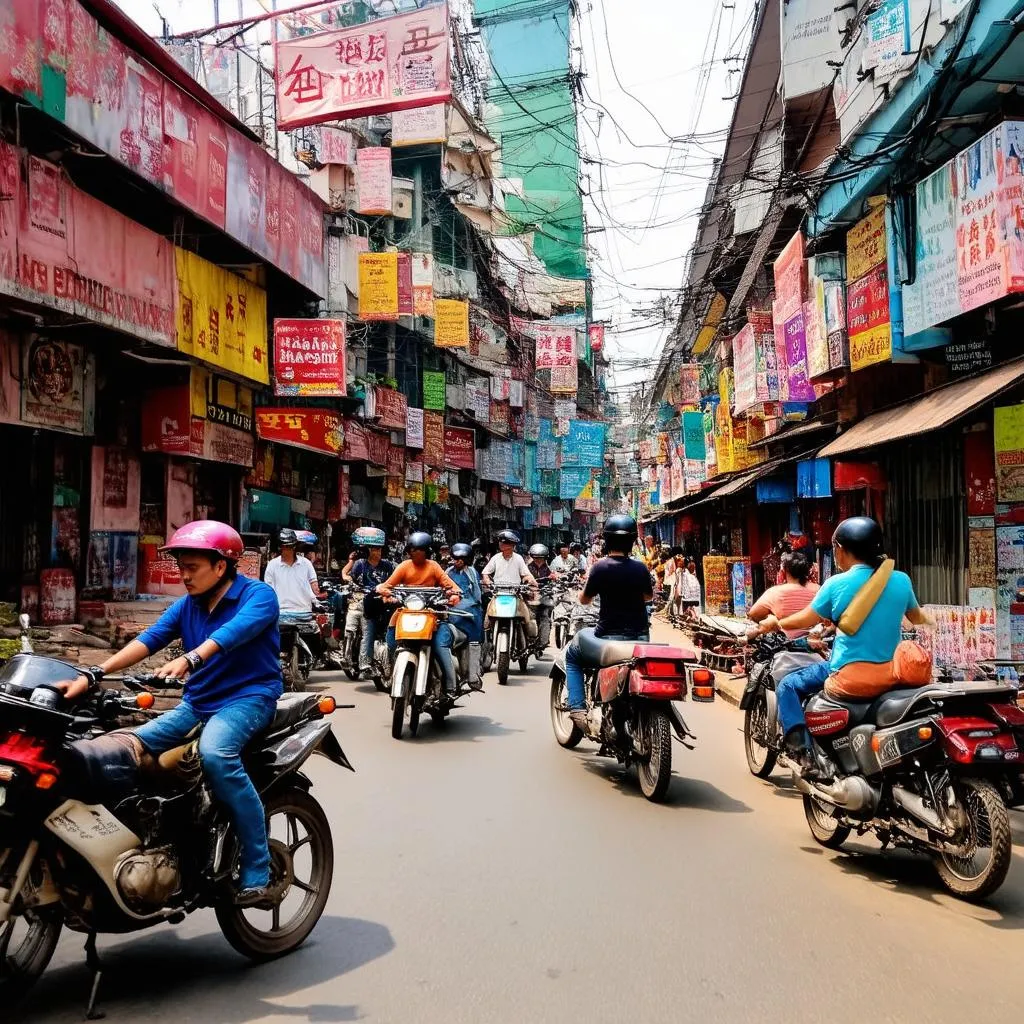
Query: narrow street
x=484, y=874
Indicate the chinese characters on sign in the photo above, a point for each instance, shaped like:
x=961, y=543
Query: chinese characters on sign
x=556, y=345
x=420, y=125
x=385, y=65
x=309, y=358
x=867, y=298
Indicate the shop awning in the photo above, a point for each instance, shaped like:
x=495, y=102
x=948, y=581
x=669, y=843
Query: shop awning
x=930, y=412
x=797, y=430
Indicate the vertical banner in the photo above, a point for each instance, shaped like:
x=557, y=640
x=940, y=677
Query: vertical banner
x=596, y=337
x=789, y=272
x=867, y=296
x=434, y=390
x=745, y=369
x=405, y=298
x=693, y=436
x=433, y=438
x=378, y=286
x=423, y=284
x=689, y=384
x=1009, y=447
x=309, y=358
x=373, y=174
x=451, y=323
x=565, y=379
x=556, y=345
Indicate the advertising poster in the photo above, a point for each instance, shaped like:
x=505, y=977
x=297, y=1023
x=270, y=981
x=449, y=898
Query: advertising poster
x=373, y=176
x=1008, y=426
x=434, y=390
x=414, y=428
x=717, y=585
x=866, y=244
x=419, y=125
x=815, y=329
x=451, y=323
x=390, y=407
x=378, y=286
x=53, y=385
x=744, y=369
x=309, y=358
x=433, y=438
x=317, y=430
x=790, y=272
x=868, y=319
x=835, y=326
x=765, y=359
x=459, y=448
x=799, y=388
x=423, y=284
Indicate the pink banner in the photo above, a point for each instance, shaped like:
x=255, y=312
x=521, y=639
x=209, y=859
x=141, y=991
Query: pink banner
x=790, y=273
x=459, y=448
x=745, y=370
x=373, y=174
x=390, y=64
x=556, y=345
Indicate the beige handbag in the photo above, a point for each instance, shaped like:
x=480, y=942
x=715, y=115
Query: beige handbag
x=865, y=599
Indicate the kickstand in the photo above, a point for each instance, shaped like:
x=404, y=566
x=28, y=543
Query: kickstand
x=93, y=962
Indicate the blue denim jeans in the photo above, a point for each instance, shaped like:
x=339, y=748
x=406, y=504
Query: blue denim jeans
x=441, y=645
x=574, y=670
x=792, y=690
x=224, y=734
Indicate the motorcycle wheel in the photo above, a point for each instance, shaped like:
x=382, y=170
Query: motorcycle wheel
x=399, y=704
x=567, y=734
x=415, y=707
x=823, y=823
x=304, y=862
x=351, y=656
x=27, y=943
x=655, y=771
x=559, y=636
x=503, y=658
x=760, y=758
x=295, y=671
x=988, y=830
x=524, y=664
x=486, y=654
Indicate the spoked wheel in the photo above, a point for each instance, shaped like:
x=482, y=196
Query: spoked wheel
x=567, y=734
x=27, y=943
x=301, y=869
x=655, y=768
x=979, y=866
x=760, y=757
x=503, y=658
x=823, y=823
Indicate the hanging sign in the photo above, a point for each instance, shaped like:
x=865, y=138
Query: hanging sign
x=745, y=370
x=309, y=358
x=556, y=345
x=423, y=284
x=596, y=332
x=459, y=448
x=693, y=436
x=434, y=390
x=451, y=323
x=433, y=438
x=405, y=299
x=868, y=319
x=414, y=427
x=789, y=271
x=316, y=430
x=390, y=407
x=419, y=125
x=378, y=286
x=385, y=65
x=565, y=379
x=373, y=174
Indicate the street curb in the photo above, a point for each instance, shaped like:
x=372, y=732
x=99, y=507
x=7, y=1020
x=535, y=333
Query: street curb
x=729, y=689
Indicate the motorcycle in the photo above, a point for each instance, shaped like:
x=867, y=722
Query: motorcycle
x=565, y=601
x=512, y=637
x=417, y=680
x=300, y=634
x=772, y=657
x=326, y=653
x=94, y=840
x=631, y=687
x=584, y=616
x=920, y=768
x=720, y=642
x=354, y=625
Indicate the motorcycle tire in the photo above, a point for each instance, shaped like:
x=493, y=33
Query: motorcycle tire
x=760, y=759
x=415, y=707
x=379, y=682
x=351, y=657
x=298, y=680
x=399, y=704
x=502, y=668
x=524, y=664
x=486, y=654
x=559, y=636
x=655, y=771
x=824, y=825
x=298, y=808
x=566, y=732
x=24, y=963
x=987, y=817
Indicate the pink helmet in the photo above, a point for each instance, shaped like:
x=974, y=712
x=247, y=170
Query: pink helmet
x=206, y=535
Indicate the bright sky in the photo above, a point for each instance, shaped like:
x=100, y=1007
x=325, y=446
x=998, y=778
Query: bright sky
x=682, y=59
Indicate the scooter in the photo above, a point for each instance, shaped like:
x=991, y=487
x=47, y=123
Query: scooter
x=512, y=636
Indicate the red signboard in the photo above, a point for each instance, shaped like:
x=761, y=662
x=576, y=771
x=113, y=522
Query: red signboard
x=433, y=438
x=459, y=448
x=167, y=421
x=377, y=448
x=384, y=65
x=309, y=358
x=316, y=430
x=396, y=460
x=596, y=337
x=390, y=407
x=357, y=447
x=405, y=290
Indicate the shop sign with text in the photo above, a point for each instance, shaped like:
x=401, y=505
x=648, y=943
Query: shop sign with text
x=309, y=358
x=316, y=430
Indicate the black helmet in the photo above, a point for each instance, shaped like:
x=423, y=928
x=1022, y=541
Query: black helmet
x=576, y=547
x=288, y=538
x=862, y=537
x=507, y=536
x=462, y=550
x=421, y=541
x=539, y=551
x=619, y=532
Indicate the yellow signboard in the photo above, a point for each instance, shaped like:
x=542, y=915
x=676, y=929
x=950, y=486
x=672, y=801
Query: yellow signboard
x=1008, y=428
x=711, y=322
x=451, y=323
x=870, y=347
x=866, y=244
x=378, y=286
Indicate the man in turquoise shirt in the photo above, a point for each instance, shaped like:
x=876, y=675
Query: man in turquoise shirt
x=857, y=545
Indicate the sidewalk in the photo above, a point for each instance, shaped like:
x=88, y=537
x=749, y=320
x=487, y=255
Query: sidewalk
x=726, y=686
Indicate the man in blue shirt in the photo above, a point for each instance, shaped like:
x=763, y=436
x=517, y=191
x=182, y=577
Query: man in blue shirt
x=857, y=545
x=228, y=625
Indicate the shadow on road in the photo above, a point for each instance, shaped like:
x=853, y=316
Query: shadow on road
x=209, y=980
x=693, y=794
x=459, y=727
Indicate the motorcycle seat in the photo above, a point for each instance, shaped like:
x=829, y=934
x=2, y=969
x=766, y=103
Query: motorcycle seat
x=290, y=708
x=598, y=653
x=892, y=707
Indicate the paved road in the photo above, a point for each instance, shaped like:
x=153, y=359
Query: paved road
x=486, y=875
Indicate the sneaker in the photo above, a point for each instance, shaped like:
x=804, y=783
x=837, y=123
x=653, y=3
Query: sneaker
x=252, y=896
x=579, y=719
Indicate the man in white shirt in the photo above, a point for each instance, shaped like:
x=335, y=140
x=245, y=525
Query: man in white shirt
x=292, y=577
x=509, y=569
x=564, y=563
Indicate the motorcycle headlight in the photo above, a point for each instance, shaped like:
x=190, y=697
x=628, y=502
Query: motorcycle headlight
x=415, y=603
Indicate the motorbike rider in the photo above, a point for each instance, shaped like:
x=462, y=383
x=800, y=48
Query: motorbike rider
x=624, y=586
x=508, y=569
x=540, y=570
x=419, y=570
x=862, y=661
x=228, y=626
x=792, y=596
x=444, y=556
x=467, y=580
x=564, y=564
x=576, y=550
x=371, y=569
x=291, y=576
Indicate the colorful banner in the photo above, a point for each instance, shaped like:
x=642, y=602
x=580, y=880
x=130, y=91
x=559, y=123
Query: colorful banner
x=866, y=244
x=316, y=430
x=385, y=65
x=573, y=482
x=689, y=384
x=799, y=388
x=433, y=438
x=1008, y=426
x=835, y=326
x=693, y=436
x=419, y=125
x=222, y=318
x=389, y=407
x=868, y=319
x=309, y=358
x=451, y=323
x=378, y=286
x=434, y=390
x=414, y=427
x=584, y=444
x=745, y=369
x=789, y=272
x=596, y=332
x=765, y=359
x=459, y=448
x=816, y=335
x=373, y=177
x=423, y=284
x=556, y=345
x=406, y=306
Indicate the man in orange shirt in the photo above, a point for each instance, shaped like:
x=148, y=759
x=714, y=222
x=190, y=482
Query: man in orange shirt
x=419, y=570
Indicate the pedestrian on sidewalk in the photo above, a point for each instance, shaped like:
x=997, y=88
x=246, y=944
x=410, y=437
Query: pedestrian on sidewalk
x=690, y=592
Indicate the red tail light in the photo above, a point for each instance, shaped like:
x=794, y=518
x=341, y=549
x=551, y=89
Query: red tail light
x=642, y=684
x=663, y=669
x=24, y=751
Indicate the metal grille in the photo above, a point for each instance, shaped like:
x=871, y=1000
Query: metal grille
x=926, y=515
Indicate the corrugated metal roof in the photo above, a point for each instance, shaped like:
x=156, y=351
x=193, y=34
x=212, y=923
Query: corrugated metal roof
x=930, y=412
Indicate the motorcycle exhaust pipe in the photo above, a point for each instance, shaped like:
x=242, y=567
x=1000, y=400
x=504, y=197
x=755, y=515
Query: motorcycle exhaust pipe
x=915, y=805
x=852, y=793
